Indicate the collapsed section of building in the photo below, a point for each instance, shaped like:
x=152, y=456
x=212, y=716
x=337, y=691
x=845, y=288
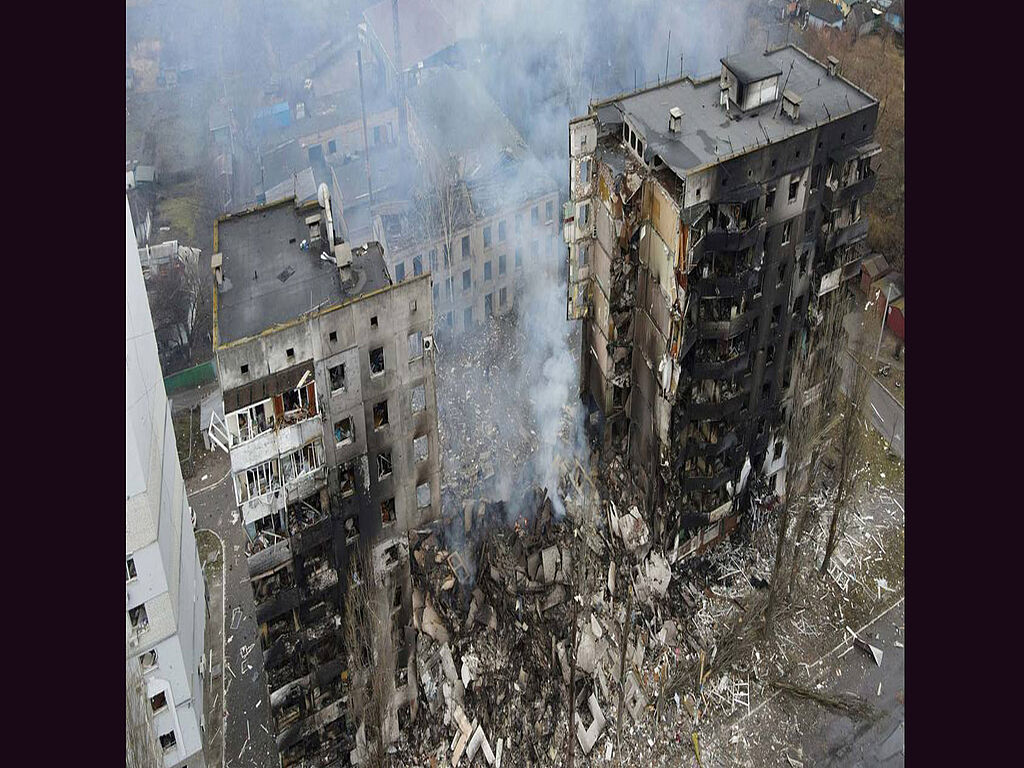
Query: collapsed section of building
x=327, y=374
x=707, y=220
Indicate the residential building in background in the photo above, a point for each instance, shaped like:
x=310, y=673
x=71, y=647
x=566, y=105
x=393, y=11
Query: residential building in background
x=327, y=374
x=164, y=588
x=707, y=219
x=477, y=174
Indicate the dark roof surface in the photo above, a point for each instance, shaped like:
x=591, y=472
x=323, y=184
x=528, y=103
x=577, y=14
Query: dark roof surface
x=750, y=67
x=270, y=280
x=708, y=133
x=825, y=10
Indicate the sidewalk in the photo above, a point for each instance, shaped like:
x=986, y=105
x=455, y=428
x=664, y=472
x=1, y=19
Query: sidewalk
x=211, y=555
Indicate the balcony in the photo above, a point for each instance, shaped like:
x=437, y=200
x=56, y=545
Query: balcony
x=725, y=329
x=277, y=604
x=840, y=196
x=743, y=235
x=710, y=482
x=724, y=367
x=726, y=405
x=729, y=285
x=838, y=235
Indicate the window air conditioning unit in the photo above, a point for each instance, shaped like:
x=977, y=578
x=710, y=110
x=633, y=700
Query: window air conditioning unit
x=428, y=343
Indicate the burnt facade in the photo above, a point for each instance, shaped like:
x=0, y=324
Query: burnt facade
x=327, y=372
x=707, y=219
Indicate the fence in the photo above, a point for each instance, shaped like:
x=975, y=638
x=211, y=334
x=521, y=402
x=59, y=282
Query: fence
x=196, y=376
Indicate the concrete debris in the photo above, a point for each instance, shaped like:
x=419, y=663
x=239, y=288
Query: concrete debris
x=634, y=531
x=587, y=738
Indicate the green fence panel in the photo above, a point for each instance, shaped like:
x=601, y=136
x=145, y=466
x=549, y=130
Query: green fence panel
x=196, y=376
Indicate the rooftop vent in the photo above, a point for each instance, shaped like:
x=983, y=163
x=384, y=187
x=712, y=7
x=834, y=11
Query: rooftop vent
x=675, y=119
x=833, y=66
x=791, y=105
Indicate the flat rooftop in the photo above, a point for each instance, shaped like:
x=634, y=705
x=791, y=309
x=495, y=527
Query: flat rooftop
x=709, y=134
x=270, y=280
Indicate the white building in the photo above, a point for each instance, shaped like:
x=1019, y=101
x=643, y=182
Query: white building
x=164, y=589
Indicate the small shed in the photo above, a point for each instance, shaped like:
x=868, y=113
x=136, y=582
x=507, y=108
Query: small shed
x=873, y=268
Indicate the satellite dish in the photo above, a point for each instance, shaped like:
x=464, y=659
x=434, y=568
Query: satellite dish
x=324, y=196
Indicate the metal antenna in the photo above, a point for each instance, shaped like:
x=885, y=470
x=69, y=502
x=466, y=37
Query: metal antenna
x=667, y=48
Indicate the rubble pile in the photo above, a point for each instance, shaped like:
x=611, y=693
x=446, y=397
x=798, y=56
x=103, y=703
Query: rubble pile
x=484, y=418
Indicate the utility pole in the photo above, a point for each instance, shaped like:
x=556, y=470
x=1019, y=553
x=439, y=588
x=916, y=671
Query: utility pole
x=885, y=316
x=366, y=143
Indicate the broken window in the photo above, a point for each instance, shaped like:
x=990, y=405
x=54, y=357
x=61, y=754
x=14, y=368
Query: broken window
x=168, y=741
x=776, y=314
x=465, y=246
x=344, y=433
x=854, y=209
x=290, y=353
x=380, y=414
x=466, y=279
x=803, y=264
x=130, y=572
x=417, y=264
x=396, y=602
x=423, y=495
x=519, y=258
x=534, y=216
x=432, y=257
x=467, y=318
x=794, y=187
x=584, y=214
x=148, y=660
x=436, y=289
x=244, y=369
x=383, y=465
x=487, y=237
x=337, y=376
x=786, y=229
x=158, y=702
x=298, y=399
x=815, y=177
x=377, y=361
x=549, y=207
x=306, y=459
x=347, y=479
x=501, y=231
x=419, y=398
x=387, y=511
x=137, y=616
x=502, y=259
x=777, y=454
x=333, y=336
x=256, y=481
x=489, y=305
x=487, y=270
x=400, y=271
x=416, y=345
x=502, y=296
x=420, y=448
x=770, y=356
x=449, y=289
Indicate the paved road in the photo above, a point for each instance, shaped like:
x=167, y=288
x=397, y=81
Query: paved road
x=835, y=739
x=249, y=738
x=886, y=413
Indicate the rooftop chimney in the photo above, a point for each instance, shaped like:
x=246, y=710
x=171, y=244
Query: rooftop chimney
x=675, y=120
x=791, y=105
x=833, y=66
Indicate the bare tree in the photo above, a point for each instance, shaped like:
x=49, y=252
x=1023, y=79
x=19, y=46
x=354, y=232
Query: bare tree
x=443, y=202
x=828, y=342
x=371, y=653
x=799, y=431
x=141, y=749
x=849, y=444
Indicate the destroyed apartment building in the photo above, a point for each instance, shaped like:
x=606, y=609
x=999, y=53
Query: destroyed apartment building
x=327, y=373
x=707, y=220
x=481, y=214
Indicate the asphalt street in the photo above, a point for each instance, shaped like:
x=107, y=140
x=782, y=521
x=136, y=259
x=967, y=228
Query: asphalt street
x=249, y=733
